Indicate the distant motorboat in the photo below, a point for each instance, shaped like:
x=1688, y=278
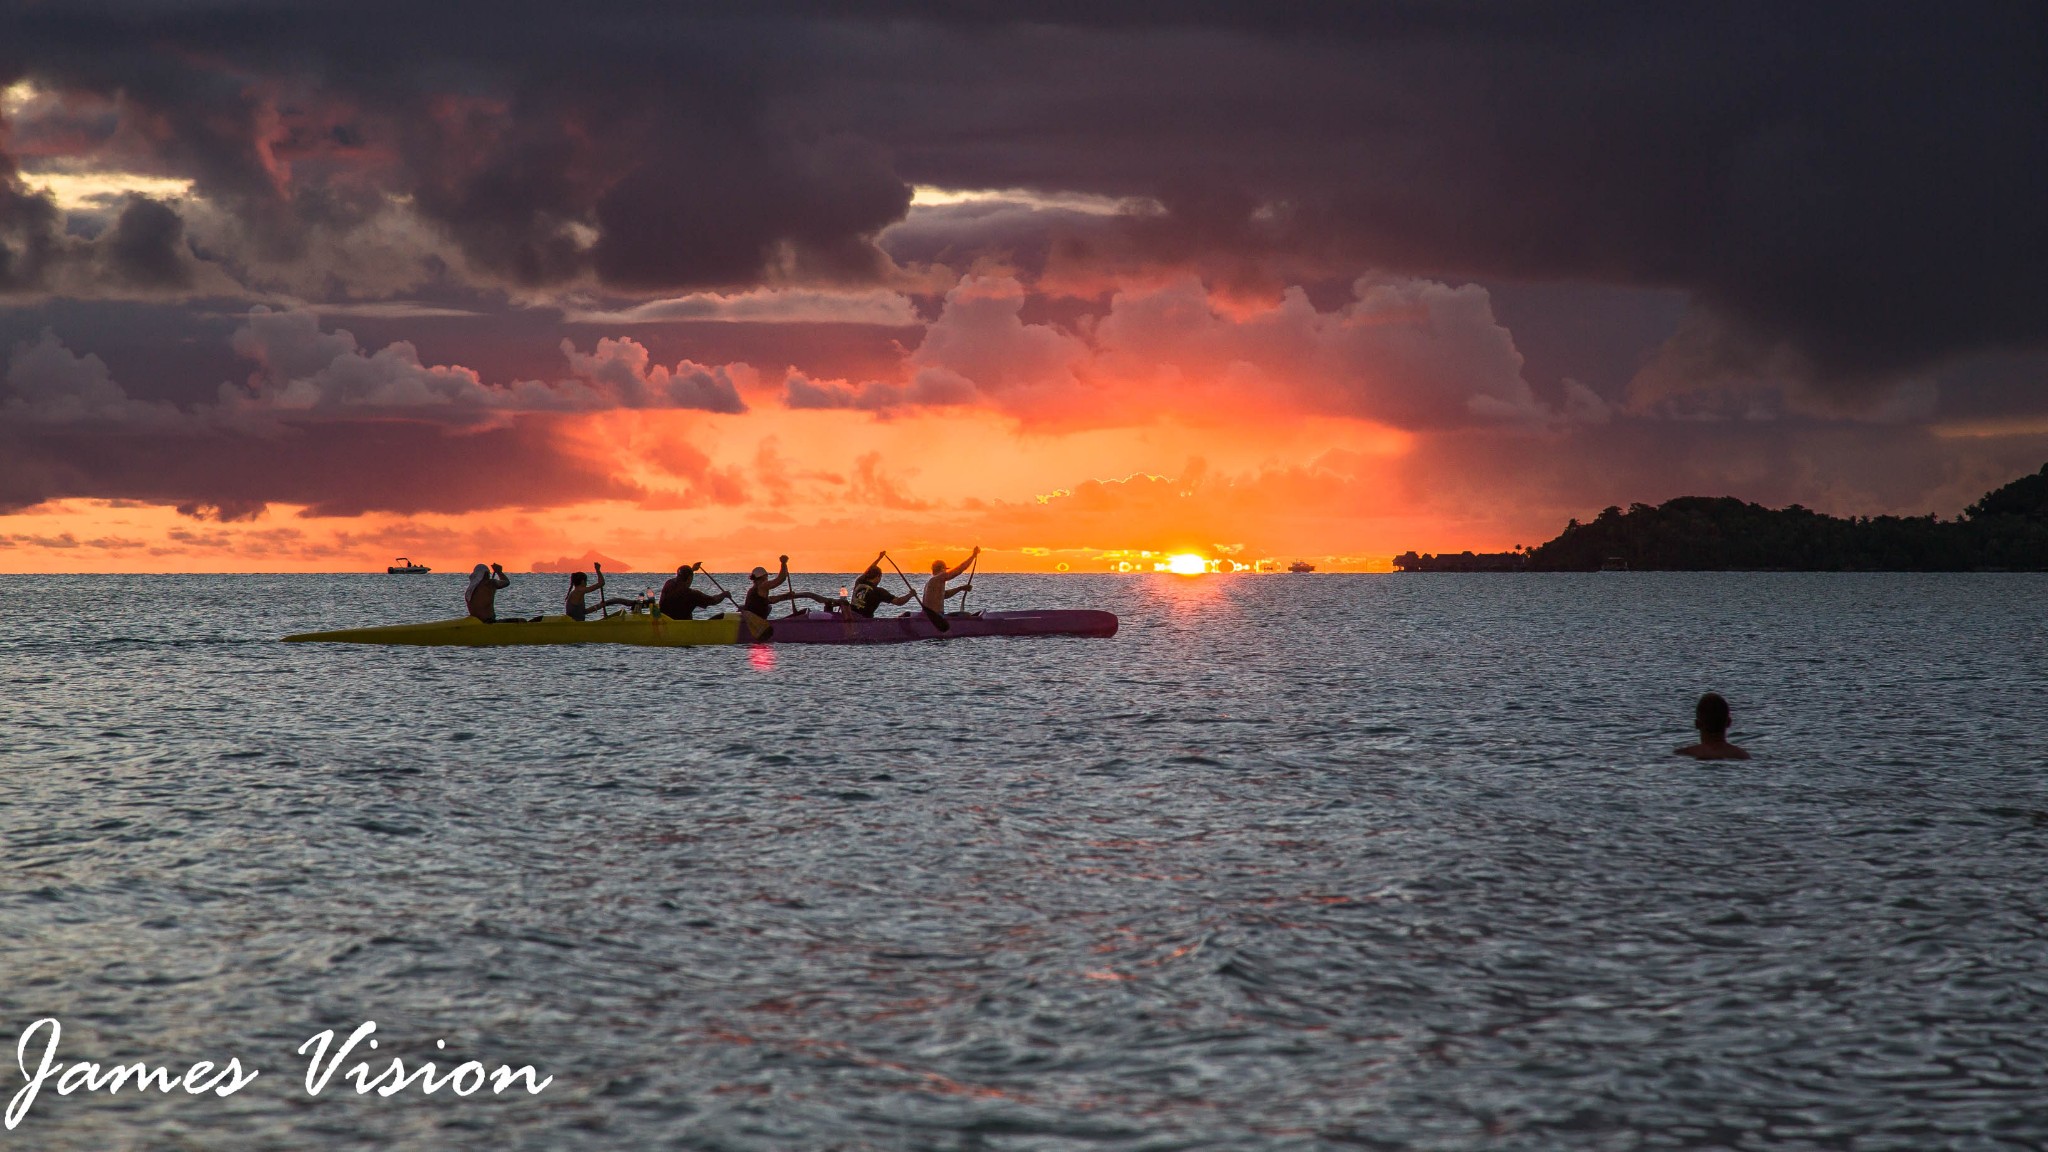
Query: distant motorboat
x=1300, y=566
x=405, y=567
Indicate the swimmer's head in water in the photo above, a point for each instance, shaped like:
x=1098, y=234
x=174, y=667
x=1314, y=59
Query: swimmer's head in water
x=1711, y=715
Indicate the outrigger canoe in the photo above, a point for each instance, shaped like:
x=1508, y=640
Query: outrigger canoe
x=832, y=628
x=652, y=631
x=644, y=629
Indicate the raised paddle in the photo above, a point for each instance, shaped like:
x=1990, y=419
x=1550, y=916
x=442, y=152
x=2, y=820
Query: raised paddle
x=789, y=586
x=973, y=567
x=603, y=612
x=938, y=619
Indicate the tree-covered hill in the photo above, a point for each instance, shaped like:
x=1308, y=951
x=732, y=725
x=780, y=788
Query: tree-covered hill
x=2007, y=529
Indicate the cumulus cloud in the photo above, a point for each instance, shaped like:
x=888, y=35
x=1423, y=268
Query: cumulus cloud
x=1873, y=206
x=929, y=388
x=302, y=368
x=981, y=337
x=622, y=370
x=1412, y=353
x=47, y=383
x=1408, y=352
x=877, y=306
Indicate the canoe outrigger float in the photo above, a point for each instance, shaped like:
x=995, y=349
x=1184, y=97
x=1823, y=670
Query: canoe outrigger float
x=650, y=630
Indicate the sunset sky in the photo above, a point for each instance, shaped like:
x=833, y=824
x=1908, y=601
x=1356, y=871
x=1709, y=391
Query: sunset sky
x=308, y=286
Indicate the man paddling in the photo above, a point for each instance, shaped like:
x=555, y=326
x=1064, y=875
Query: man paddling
x=482, y=594
x=935, y=591
x=868, y=595
x=679, y=600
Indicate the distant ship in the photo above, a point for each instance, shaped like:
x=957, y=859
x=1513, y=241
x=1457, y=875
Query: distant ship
x=1300, y=566
x=405, y=567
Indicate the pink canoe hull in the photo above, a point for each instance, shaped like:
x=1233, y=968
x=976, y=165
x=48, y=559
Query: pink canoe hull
x=828, y=628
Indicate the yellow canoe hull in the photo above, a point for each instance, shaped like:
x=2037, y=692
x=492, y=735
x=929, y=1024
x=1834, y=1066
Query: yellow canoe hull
x=645, y=630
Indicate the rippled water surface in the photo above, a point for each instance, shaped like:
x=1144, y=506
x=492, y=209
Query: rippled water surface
x=1292, y=862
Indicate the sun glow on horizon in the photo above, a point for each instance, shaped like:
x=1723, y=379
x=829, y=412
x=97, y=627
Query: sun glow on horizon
x=1186, y=564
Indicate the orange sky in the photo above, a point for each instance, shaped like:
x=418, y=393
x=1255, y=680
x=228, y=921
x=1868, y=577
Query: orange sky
x=1205, y=285
x=830, y=488
x=1175, y=420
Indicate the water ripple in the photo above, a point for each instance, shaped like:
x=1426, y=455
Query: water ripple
x=1368, y=862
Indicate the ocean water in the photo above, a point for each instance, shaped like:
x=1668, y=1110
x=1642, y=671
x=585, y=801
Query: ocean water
x=1292, y=862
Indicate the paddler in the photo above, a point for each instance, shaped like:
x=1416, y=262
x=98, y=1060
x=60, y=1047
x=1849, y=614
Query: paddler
x=580, y=587
x=482, y=595
x=680, y=601
x=868, y=595
x=761, y=595
x=762, y=598
x=935, y=591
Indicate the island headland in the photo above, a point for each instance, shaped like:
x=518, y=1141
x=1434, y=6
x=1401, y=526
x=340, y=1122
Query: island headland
x=2006, y=530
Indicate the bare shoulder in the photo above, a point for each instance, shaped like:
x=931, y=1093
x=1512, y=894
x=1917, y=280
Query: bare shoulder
x=1713, y=752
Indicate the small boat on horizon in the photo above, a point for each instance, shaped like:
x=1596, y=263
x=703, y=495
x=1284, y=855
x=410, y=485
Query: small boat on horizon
x=405, y=567
x=1300, y=566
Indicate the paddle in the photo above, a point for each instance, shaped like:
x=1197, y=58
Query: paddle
x=973, y=567
x=603, y=612
x=789, y=587
x=938, y=619
x=717, y=585
x=766, y=629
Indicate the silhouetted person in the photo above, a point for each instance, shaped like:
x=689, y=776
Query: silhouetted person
x=481, y=596
x=680, y=601
x=868, y=595
x=580, y=589
x=935, y=591
x=1711, y=718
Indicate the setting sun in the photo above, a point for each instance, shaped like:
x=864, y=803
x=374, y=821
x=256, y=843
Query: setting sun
x=1187, y=564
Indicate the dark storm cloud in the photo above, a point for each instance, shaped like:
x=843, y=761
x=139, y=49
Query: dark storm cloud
x=342, y=468
x=147, y=245
x=1864, y=184
x=29, y=232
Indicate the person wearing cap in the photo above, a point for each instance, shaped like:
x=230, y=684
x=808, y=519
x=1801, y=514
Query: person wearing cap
x=761, y=595
x=762, y=598
x=482, y=595
x=680, y=601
